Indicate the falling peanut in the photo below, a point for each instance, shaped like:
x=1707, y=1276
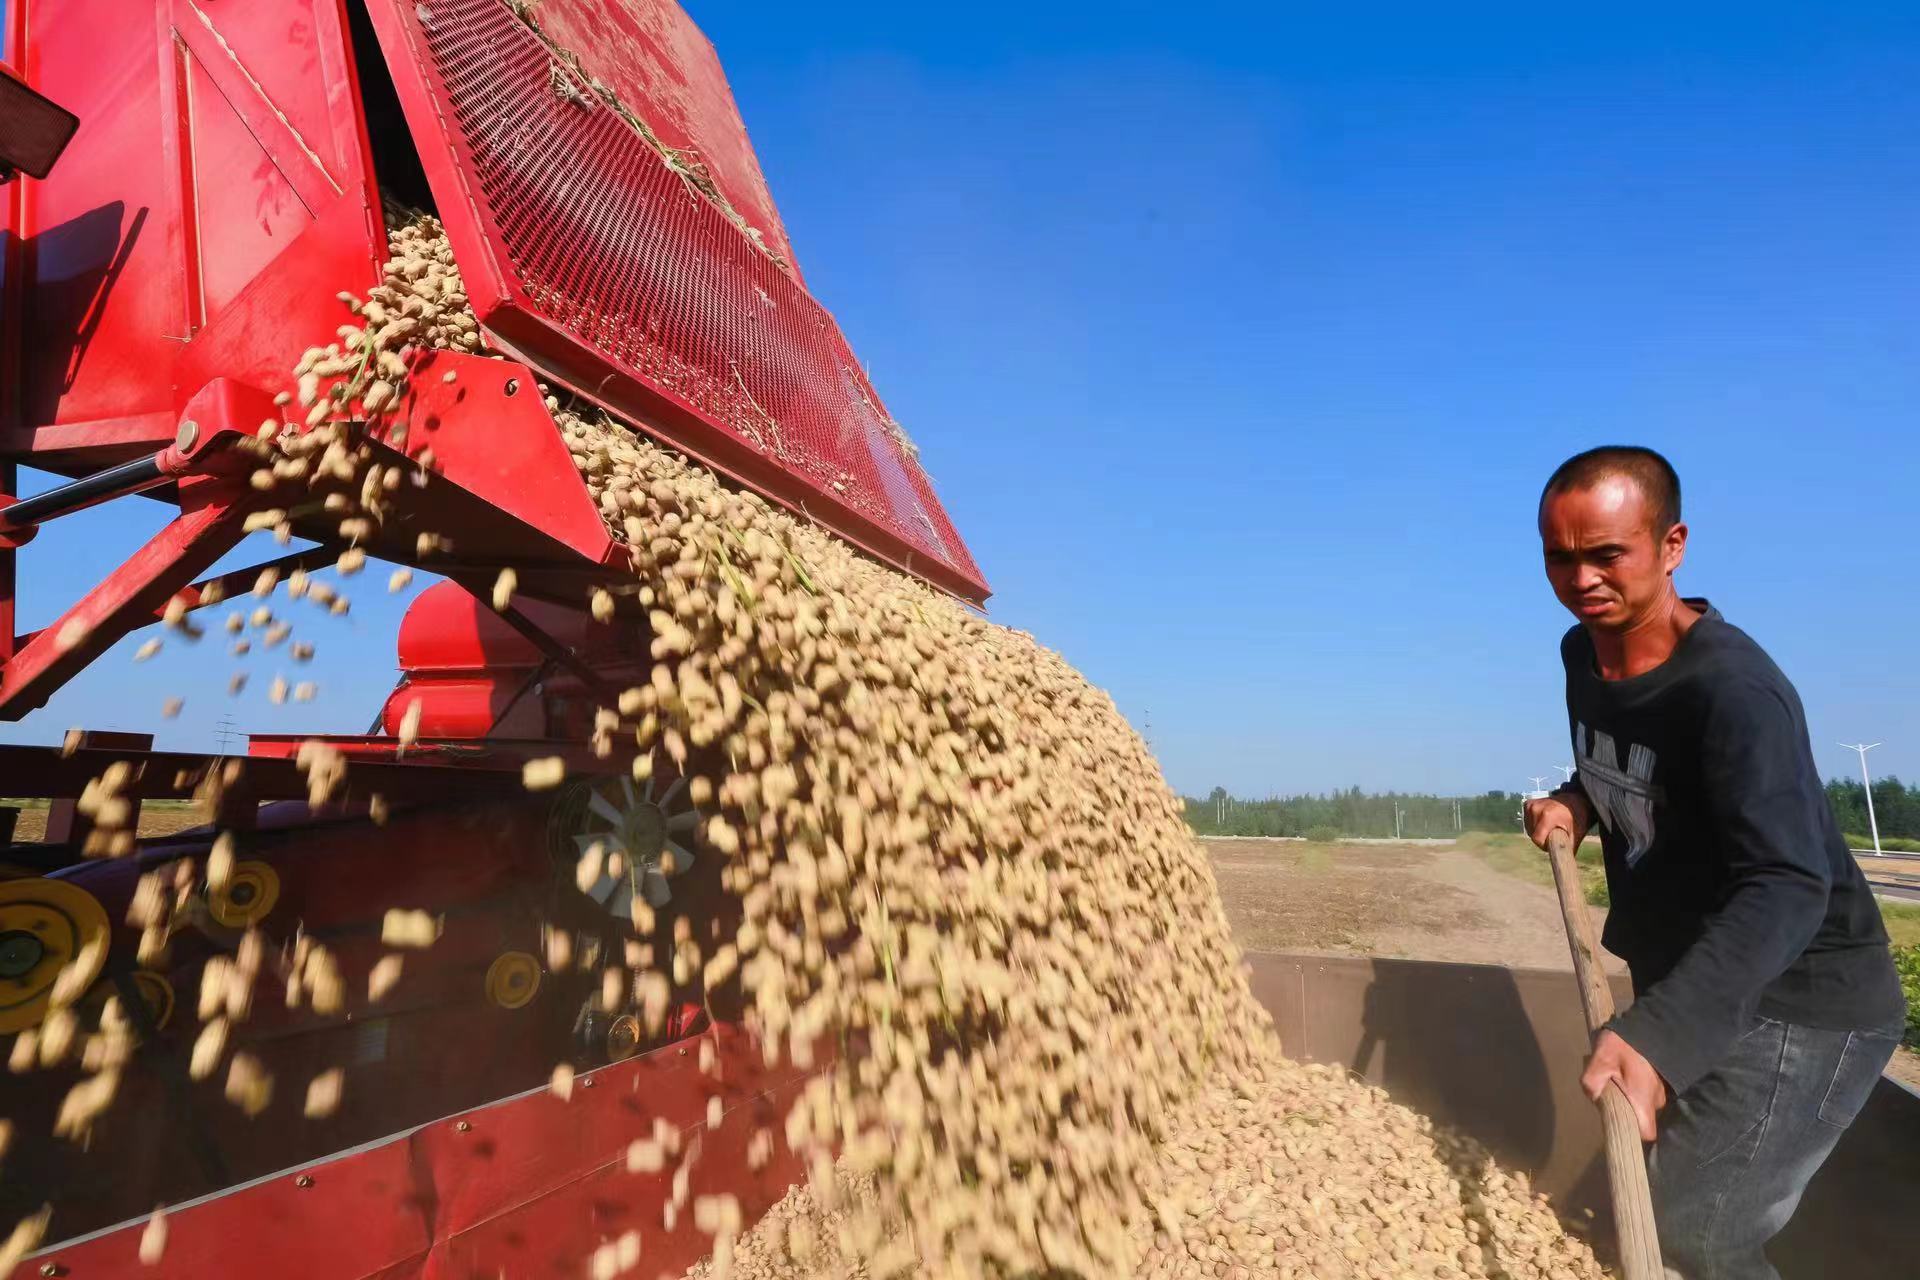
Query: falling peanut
x=543, y=774
x=415, y=929
x=383, y=977
x=153, y=1239
x=324, y=1092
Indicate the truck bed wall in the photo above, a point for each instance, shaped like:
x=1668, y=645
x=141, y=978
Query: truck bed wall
x=1496, y=1053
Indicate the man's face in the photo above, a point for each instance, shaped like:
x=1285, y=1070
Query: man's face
x=1606, y=563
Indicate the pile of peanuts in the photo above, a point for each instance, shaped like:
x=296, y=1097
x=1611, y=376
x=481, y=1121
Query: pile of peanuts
x=957, y=860
x=956, y=863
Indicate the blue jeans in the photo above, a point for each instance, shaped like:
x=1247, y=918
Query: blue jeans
x=1737, y=1149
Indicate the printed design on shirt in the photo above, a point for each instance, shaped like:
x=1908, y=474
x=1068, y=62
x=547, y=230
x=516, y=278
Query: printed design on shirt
x=1623, y=799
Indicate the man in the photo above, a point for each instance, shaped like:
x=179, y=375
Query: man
x=1766, y=1004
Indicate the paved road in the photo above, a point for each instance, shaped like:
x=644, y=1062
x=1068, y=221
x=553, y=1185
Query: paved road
x=1892, y=875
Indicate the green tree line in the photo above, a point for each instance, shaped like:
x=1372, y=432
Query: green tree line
x=1895, y=804
x=1354, y=812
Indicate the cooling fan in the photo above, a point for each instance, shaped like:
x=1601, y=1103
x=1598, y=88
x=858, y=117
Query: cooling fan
x=634, y=839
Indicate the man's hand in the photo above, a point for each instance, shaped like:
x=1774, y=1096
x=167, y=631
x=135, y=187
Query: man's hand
x=1615, y=1060
x=1565, y=810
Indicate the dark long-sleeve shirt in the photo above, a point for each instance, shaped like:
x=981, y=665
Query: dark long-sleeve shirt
x=1733, y=891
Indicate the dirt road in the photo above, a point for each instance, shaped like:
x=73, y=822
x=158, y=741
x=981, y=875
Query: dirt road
x=1426, y=903
x=1431, y=903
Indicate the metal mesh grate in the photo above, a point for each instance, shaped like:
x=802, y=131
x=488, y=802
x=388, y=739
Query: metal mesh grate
x=33, y=131
x=615, y=246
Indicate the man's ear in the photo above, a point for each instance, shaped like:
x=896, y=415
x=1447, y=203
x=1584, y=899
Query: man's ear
x=1673, y=548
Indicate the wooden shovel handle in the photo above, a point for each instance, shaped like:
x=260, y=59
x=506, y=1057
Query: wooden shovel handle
x=1626, y=1158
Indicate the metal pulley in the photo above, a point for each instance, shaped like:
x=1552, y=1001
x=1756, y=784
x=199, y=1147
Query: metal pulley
x=248, y=895
x=45, y=927
x=622, y=1038
x=513, y=979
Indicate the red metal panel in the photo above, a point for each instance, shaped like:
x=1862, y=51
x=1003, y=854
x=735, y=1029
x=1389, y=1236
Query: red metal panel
x=593, y=1199
x=245, y=235
x=99, y=214
x=492, y=436
x=585, y=250
x=447, y=629
x=294, y=58
x=470, y=707
x=527, y=1186
x=215, y=197
x=357, y=1216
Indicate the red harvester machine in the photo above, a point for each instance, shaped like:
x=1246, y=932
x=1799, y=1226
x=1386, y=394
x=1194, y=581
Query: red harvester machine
x=226, y=181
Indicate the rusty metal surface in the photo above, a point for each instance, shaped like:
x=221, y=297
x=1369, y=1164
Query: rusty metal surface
x=1496, y=1052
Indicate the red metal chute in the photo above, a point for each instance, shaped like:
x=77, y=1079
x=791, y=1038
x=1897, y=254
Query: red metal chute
x=596, y=253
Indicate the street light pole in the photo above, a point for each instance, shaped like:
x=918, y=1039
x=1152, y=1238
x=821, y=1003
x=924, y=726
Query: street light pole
x=1866, y=780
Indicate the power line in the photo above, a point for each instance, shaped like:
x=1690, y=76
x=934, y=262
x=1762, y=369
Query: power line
x=228, y=734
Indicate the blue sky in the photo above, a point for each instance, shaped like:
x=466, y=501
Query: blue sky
x=1239, y=339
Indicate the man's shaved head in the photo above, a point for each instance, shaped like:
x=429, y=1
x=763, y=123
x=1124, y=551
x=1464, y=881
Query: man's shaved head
x=1652, y=474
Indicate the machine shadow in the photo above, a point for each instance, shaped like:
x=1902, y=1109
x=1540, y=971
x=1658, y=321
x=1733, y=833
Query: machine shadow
x=1464, y=1055
x=75, y=265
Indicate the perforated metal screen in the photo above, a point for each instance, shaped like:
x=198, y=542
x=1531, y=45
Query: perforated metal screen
x=611, y=263
x=33, y=131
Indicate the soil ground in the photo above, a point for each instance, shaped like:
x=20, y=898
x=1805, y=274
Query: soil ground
x=1482, y=903
x=1427, y=903
x=157, y=818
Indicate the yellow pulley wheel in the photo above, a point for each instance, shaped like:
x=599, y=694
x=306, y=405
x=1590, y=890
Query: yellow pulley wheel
x=157, y=992
x=623, y=1037
x=45, y=927
x=151, y=990
x=248, y=895
x=513, y=979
